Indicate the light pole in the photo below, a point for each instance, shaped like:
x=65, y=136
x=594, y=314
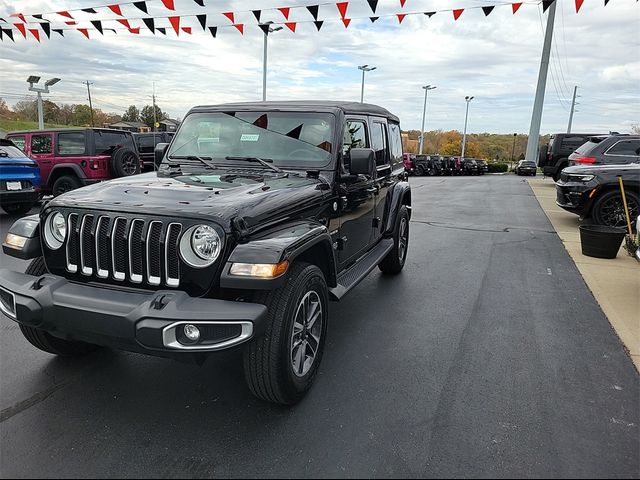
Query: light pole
x=424, y=113
x=466, y=115
x=32, y=81
x=364, y=68
x=267, y=31
x=513, y=149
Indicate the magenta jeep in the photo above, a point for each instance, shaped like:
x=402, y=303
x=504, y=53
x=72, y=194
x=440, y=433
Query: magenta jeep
x=70, y=158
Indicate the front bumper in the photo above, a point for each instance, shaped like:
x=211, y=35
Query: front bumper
x=574, y=197
x=142, y=322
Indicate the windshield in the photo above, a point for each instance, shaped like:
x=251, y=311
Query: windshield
x=288, y=139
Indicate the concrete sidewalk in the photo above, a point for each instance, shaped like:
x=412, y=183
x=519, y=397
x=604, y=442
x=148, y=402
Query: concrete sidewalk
x=614, y=283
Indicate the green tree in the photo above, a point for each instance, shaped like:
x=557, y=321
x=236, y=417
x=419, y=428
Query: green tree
x=131, y=115
x=81, y=115
x=146, y=115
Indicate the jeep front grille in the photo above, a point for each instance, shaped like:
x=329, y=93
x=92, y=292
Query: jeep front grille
x=124, y=249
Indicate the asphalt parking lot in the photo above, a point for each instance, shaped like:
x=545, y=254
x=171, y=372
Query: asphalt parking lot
x=487, y=357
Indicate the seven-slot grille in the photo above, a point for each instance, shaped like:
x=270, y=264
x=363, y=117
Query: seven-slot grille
x=124, y=249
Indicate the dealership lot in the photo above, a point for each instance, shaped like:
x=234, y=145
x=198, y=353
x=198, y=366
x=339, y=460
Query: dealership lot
x=488, y=356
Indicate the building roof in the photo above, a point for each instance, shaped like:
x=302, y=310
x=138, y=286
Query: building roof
x=129, y=124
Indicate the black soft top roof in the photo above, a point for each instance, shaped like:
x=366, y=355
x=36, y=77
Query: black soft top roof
x=354, y=108
x=68, y=129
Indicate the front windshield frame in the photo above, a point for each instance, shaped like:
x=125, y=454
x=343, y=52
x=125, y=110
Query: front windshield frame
x=180, y=147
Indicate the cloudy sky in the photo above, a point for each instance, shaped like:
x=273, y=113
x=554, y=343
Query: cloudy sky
x=494, y=58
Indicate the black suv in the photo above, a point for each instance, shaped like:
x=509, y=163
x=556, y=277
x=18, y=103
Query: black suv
x=612, y=149
x=146, y=143
x=258, y=215
x=526, y=167
x=594, y=191
x=470, y=166
x=555, y=156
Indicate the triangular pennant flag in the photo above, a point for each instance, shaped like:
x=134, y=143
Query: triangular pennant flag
x=21, y=28
x=342, y=8
x=230, y=16
x=285, y=12
x=1, y=40
x=9, y=33
x=291, y=26
x=135, y=31
x=115, y=9
x=402, y=2
x=168, y=4
x=265, y=28
x=46, y=28
x=36, y=33
x=239, y=27
x=58, y=31
x=257, y=13
x=431, y=14
x=373, y=19
x=313, y=10
x=89, y=10
x=124, y=22
x=38, y=16
x=98, y=25
x=605, y=2
x=318, y=24
x=346, y=22
x=150, y=23
x=488, y=10
x=457, y=12
x=84, y=31
x=71, y=23
x=175, y=23
x=141, y=6
x=373, y=4
x=111, y=30
x=20, y=16
x=401, y=17
x=3, y=20
x=64, y=13
x=186, y=30
x=199, y=2
x=515, y=7
x=213, y=31
x=162, y=30
x=546, y=4
x=203, y=21
x=579, y=5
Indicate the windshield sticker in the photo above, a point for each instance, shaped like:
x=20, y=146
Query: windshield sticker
x=249, y=137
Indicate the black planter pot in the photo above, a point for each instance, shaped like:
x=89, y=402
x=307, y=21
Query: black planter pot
x=601, y=241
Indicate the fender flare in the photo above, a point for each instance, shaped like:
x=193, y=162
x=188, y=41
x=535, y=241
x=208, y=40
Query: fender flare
x=400, y=195
x=71, y=166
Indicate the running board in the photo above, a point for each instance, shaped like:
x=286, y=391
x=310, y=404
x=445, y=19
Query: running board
x=351, y=277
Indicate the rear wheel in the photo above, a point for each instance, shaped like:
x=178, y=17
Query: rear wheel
x=608, y=209
x=394, y=261
x=18, y=208
x=64, y=184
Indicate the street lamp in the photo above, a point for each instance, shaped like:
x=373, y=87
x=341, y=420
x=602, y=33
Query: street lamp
x=32, y=80
x=267, y=31
x=424, y=113
x=364, y=68
x=513, y=149
x=466, y=115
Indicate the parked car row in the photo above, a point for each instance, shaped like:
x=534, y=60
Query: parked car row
x=431, y=165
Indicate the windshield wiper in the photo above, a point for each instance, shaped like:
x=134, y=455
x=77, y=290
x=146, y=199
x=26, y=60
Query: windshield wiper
x=263, y=162
x=204, y=160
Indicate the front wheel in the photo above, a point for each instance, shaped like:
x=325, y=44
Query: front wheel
x=281, y=365
x=394, y=261
x=608, y=209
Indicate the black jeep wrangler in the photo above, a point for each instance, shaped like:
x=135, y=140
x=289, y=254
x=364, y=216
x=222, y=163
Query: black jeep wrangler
x=258, y=215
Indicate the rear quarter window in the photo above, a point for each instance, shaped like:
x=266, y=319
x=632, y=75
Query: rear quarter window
x=11, y=152
x=71, y=143
x=586, y=148
x=107, y=142
x=625, y=148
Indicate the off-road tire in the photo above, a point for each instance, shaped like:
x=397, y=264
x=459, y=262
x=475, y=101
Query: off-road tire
x=393, y=263
x=64, y=184
x=267, y=358
x=124, y=163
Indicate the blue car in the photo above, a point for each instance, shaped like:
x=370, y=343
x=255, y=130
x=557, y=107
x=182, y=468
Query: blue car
x=19, y=179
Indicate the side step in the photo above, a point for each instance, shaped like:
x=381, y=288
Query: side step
x=354, y=274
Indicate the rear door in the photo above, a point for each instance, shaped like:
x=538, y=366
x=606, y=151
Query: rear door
x=41, y=150
x=380, y=144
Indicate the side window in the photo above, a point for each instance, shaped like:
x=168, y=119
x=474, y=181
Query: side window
x=355, y=136
x=379, y=142
x=396, y=143
x=41, y=144
x=71, y=143
x=625, y=147
x=19, y=142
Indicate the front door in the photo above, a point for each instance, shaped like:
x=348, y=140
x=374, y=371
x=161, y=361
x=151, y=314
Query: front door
x=41, y=150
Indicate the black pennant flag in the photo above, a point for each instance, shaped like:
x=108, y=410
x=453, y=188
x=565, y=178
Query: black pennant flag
x=546, y=4
x=313, y=10
x=89, y=10
x=430, y=14
x=488, y=10
x=38, y=16
x=373, y=19
x=1, y=35
x=151, y=24
x=9, y=33
x=318, y=24
x=373, y=4
x=141, y=6
x=203, y=21
x=98, y=26
x=199, y=2
x=213, y=31
x=3, y=20
x=605, y=2
x=257, y=13
x=162, y=30
x=59, y=31
x=265, y=28
x=46, y=28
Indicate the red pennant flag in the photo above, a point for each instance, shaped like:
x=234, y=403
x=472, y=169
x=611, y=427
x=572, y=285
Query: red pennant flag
x=579, y=5
x=124, y=22
x=230, y=16
x=20, y=16
x=64, y=13
x=285, y=12
x=169, y=4
x=175, y=23
x=346, y=22
x=516, y=7
x=402, y=2
x=291, y=26
x=342, y=8
x=84, y=31
x=135, y=31
x=71, y=23
x=23, y=31
x=187, y=30
x=457, y=13
x=36, y=33
x=401, y=17
x=239, y=27
x=115, y=9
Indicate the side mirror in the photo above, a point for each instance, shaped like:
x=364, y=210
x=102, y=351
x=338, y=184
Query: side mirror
x=158, y=153
x=363, y=161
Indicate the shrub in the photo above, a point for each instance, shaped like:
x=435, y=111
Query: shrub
x=498, y=167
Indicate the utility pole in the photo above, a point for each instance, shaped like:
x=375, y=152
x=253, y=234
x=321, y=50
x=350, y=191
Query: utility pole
x=536, y=116
x=155, y=120
x=513, y=149
x=424, y=113
x=90, y=104
x=573, y=108
x=466, y=115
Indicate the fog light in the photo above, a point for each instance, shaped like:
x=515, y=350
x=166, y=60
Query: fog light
x=192, y=333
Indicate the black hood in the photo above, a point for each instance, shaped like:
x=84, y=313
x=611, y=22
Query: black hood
x=258, y=200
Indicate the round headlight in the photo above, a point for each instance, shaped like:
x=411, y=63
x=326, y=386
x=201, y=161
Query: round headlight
x=55, y=230
x=200, y=246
